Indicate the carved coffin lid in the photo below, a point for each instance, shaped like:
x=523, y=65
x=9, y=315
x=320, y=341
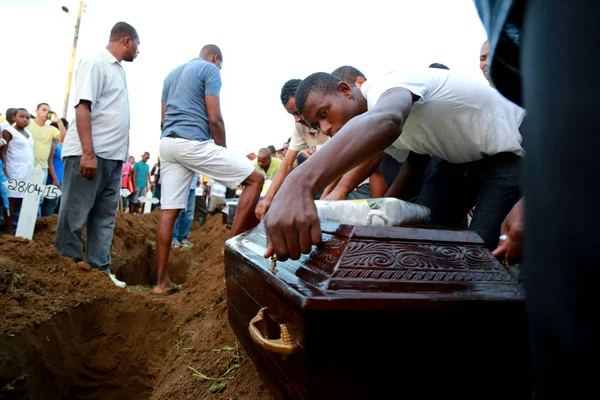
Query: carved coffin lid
x=370, y=267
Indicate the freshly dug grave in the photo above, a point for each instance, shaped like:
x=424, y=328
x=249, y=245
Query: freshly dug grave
x=67, y=332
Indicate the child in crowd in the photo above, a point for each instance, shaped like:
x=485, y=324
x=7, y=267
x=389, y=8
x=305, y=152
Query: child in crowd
x=18, y=158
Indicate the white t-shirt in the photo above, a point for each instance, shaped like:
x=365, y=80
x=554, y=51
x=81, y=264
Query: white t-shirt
x=216, y=188
x=457, y=118
x=305, y=136
x=100, y=79
x=3, y=126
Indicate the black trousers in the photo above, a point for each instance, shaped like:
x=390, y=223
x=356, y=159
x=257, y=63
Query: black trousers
x=552, y=68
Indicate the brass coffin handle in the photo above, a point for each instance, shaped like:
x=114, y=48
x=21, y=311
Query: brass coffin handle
x=285, y=345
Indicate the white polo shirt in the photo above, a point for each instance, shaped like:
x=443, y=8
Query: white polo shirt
x=305, y=136
x=457, y=118
x=100, y=79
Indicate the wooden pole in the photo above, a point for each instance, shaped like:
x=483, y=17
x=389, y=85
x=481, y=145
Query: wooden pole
x=73, y=51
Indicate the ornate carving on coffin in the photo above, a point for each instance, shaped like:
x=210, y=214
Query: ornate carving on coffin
x=315, y=267
x=413, y=261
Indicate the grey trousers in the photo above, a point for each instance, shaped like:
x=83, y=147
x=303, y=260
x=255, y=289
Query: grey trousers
x=88, y=202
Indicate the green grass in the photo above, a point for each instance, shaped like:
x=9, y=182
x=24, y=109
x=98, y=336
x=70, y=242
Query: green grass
x=219, y=384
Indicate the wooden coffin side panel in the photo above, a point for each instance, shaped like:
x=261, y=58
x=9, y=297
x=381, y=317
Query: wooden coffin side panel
x=247, y=293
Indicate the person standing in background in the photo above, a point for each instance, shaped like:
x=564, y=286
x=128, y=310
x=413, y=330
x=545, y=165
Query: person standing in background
x=141, y=180
x=127, y=180
x=55, y=174
x=18, y=157
x=183, y=223
x=94, y=151
x=8, y=121
x=155, y=177
x=43, y=136
x=201, y=209
x=216, y=195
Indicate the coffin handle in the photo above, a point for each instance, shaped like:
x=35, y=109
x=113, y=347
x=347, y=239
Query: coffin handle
x=285, y=345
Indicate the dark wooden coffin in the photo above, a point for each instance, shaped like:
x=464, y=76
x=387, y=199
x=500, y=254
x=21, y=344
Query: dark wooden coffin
x=380, y=313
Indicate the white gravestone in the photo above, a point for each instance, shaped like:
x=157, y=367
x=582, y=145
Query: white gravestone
x=33, y=190
x=148, y=200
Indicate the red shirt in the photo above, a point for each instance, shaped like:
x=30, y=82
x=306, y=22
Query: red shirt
x=126, y=174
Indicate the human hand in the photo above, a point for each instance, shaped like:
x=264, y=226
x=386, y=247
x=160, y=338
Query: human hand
x=88, y=165
x=261, y=209
x=55, y=183
x=512, y=232
x=292, y=224
x=55, y=117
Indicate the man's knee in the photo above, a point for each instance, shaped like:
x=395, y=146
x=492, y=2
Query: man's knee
x=255, y=178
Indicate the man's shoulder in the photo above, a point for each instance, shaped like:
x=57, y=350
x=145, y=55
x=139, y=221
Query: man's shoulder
x=97, y=58
x=276, y=161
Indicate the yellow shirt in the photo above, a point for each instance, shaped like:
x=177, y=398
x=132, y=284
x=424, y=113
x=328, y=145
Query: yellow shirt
x=2, y=118
x=270, y=174
x=42, y=137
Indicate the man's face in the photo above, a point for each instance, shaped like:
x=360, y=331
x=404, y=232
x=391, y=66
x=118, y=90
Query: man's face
x=264, y=161
x=330, y=112
x=22, y=119
x=290, y=107
x=483, y=60
x=132, y=48
x=145, y=157
x=42, y=112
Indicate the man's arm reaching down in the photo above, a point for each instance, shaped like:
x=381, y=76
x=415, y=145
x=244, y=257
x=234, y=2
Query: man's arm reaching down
x=88, y=163
x=292, y=223
x=215, y=120
x=352, y=179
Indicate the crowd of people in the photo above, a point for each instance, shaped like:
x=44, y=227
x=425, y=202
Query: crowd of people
x=460, y=153
x=433, y=136
x=28, y=141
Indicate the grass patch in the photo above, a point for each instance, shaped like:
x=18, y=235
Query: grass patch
x=219, y=384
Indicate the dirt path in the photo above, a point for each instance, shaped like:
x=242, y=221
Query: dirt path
x=67, y=332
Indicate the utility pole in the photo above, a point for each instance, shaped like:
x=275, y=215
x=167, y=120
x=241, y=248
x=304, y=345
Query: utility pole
x=75, y=37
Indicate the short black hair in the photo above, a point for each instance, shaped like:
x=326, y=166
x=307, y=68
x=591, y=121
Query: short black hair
x=289, y=90
x=348, y=74
x=18, y=110
x=438, y=66
x=145, y=154
x=320, y=82
x=10, y=113
x=264, y=151
x=121, y=30
x=272, y=149
x=42, y=104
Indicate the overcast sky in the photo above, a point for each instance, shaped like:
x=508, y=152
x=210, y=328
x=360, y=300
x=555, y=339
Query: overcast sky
x=264, y=44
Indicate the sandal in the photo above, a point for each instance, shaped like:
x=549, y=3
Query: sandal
x=174, y=290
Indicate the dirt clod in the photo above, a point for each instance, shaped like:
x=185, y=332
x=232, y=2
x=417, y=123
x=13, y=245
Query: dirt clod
x=67, y=332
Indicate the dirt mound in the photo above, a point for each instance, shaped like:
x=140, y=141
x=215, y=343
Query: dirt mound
x=67, y=332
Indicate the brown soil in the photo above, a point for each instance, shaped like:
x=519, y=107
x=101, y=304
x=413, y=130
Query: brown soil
x=67, y=332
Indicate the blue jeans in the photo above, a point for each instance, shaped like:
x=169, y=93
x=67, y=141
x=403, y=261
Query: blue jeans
x=49, y=206
x=361, y=192
x=39, y=214
x=183, y=223
x=492, y=184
